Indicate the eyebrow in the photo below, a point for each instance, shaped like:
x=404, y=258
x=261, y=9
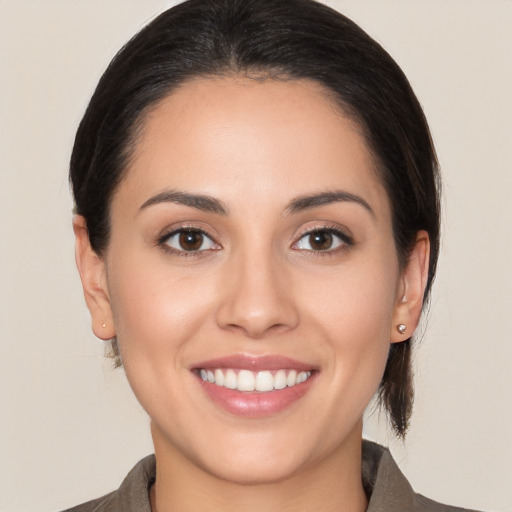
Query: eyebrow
x=198, y=201
x=210, y=204
x=323, y=198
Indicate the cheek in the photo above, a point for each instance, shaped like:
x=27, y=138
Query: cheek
x=353, y=313
x=354, y=304
x=155, y=310
x=157, y=313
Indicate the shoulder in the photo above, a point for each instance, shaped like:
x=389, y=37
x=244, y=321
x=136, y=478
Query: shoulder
x=426, y=505
x=132, y=495
x=104, y=504
x=387, y=487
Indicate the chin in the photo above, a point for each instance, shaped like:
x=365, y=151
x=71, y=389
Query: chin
x=262, y=470
x=243, y=458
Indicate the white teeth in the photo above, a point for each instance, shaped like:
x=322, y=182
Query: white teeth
x=264, y=381
x=245, y=380
x=219, y=377
x=292, y=378
x=280, y=380
x=230, y=380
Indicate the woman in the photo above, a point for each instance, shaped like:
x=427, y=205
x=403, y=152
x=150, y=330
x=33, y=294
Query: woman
x=257, y=231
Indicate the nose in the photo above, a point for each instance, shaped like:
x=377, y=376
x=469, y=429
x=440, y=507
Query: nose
x=256, y=297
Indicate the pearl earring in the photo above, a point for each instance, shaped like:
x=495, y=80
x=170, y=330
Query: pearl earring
x=401, y=328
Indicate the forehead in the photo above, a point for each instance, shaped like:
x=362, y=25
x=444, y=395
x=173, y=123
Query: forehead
x=219, y=136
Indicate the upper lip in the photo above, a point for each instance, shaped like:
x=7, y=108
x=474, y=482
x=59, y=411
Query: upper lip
x=254, y=363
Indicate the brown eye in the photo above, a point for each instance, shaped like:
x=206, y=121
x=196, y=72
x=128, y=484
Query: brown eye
x=189, y=240
x=322, y=240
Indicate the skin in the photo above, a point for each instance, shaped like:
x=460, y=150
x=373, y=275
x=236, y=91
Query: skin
x=257, y=289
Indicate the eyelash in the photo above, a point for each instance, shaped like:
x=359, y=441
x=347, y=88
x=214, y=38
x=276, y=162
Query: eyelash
x=345, y=240
x=162, y=241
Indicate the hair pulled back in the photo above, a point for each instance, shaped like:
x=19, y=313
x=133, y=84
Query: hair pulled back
x=278, y=39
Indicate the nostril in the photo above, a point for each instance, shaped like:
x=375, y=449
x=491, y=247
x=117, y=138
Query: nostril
x=257, y=330
x=258, y=325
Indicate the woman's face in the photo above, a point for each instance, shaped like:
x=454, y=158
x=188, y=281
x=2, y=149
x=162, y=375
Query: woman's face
x=251, y=244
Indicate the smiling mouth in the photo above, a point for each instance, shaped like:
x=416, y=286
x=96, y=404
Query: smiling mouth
x=246, y=380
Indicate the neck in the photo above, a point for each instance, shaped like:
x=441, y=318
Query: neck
x=333, y=483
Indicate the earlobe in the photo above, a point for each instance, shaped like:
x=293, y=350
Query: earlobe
x=411, y=290
x=91, y=268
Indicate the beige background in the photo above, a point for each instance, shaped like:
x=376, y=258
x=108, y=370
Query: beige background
x=69, y=428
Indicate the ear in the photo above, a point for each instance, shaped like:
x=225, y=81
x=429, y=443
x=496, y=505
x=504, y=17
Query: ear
x=411, y=289
x=94, y=281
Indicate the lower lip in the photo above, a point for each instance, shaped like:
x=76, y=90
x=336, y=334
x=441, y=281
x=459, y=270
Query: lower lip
x=253, y=404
